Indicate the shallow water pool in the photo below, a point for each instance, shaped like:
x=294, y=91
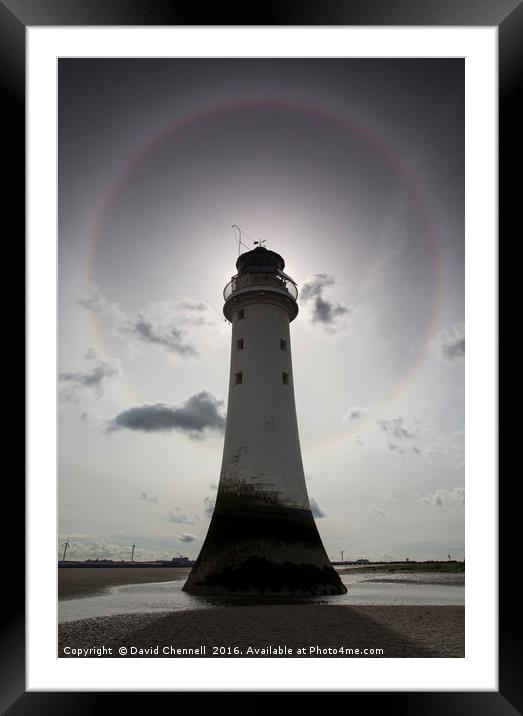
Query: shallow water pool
x=362, y=588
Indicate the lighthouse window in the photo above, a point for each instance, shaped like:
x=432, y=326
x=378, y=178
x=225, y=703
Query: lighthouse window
x=239, y=345
x=283, y=344
x=241, y=314
x=238, y=378
x=285, y=378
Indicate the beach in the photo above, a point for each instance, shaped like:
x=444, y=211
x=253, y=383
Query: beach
x=258, y=630
x=76, y=582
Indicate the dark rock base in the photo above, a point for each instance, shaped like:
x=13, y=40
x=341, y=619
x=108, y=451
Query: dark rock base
x=253, y=548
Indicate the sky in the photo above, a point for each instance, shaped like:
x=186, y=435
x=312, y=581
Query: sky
x=353, y=171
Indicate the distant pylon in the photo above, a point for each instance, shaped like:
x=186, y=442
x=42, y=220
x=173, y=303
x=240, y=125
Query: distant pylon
x=66, y=545
x=132, y=553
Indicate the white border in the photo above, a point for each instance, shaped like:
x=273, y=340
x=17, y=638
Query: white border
x=478, y=670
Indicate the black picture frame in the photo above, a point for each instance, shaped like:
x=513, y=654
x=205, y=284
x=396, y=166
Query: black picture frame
x=507, y=16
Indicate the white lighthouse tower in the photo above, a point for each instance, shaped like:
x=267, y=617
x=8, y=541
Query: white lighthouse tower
x=262, y=538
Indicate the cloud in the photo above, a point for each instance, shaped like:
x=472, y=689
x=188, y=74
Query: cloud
x=168, y=335
x=189, y=311
x=171, y=324
x=387, y=557
x=209, y=504
x=355, y=413
x=179, y=517
x=187, y=537
x=449, y=346
x=396, y=448
x=93, y=379
x=82, y=547
x=85, y=546
x=198, y=413
x=397, y=428
x=414, y=438
x=174, y=325
x=96, y=302
x=323, y=311
x=445, y=499
x=359, y=440
x=379, y=512
x=145, y=497
x=316, y=509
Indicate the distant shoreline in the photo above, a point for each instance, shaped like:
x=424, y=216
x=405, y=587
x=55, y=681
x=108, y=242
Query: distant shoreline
x=391, y=567
x=427, y=566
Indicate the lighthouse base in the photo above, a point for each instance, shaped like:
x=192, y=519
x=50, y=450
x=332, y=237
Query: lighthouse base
x=260, y=549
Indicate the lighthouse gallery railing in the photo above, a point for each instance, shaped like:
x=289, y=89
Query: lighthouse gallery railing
x=242, y=281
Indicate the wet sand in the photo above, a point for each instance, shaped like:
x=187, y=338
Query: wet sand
x=449, y=580
x=89, y=581
x=401, y=631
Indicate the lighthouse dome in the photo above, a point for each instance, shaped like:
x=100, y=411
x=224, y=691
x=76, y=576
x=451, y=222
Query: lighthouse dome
x=260, y=277
x=260, y=259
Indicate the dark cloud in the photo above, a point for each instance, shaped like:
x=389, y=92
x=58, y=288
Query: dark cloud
x=145, y=497
x=445, y=499
x=323, y=310
x=186, y=537
x=209, y=504
x=316, y=509
x=397, y=428
x=161, y=323
x=355, y=413
x=179, y=517
x=168, y=336
x=101, y=369
x=315, y=285
x=455, y=349
x=379, y=512
x=449, y=346
x=396, y=448
x=201, y=411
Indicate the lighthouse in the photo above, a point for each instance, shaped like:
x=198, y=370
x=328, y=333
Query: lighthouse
x=262, y=538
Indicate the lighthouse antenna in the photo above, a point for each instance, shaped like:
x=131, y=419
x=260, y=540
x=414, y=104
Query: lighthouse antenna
x=235, y=226
x=244, y=233
x=239, y=239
